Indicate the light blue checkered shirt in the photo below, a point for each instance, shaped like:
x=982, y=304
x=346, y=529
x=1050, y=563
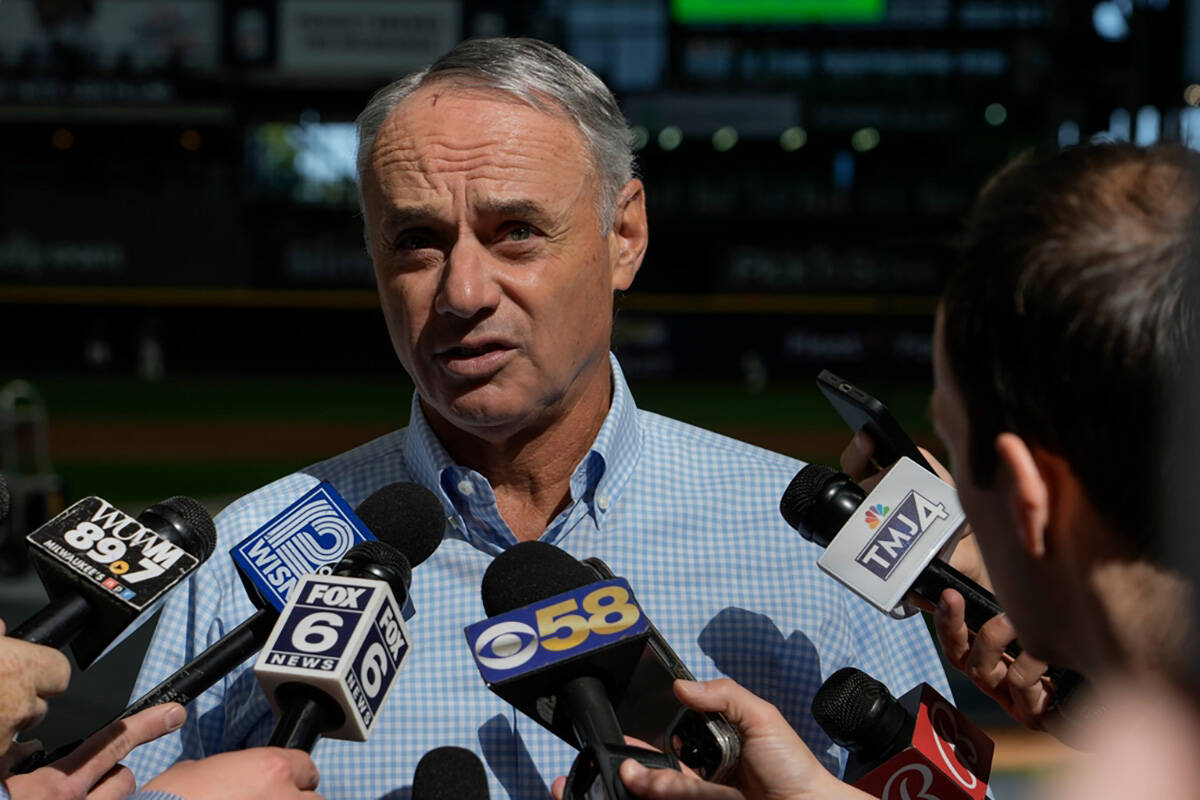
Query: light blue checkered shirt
x=689, y=517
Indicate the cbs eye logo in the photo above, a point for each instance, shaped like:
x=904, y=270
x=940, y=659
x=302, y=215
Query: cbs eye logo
x=511, y=643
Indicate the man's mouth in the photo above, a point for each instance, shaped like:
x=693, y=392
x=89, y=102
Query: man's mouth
x=473, y=352
x=475, y=361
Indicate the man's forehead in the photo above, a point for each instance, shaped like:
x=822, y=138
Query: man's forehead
x=443, y=109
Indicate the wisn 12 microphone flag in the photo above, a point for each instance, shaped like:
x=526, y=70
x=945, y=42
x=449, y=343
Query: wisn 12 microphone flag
x=309, y=536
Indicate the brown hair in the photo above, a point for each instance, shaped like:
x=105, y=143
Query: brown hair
x=1065, y=317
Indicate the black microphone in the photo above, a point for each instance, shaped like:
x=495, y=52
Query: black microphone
x=105, y=570
x=819, y=501
x=450, y=773
x=404, y=515
x=337, y=648
x=573, y=697
x=5, y=498
x=917, y=746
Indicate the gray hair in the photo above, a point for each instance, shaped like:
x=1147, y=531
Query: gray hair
x=541, y=75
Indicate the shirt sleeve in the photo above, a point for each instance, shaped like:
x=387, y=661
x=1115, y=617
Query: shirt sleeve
x=195, y=616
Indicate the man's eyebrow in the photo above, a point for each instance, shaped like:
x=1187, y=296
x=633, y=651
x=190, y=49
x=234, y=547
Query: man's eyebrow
x=516, y=209
x=402, y=216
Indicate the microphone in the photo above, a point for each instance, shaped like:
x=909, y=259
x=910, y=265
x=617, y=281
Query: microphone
x=316, y=525
x=337, y=648
x=892, y=548
x=106, y=572
x=450, y=773
x=917, y=746
x=5, y=498
x=404, y=515
x=565, y=670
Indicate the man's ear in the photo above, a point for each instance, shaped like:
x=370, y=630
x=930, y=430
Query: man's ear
x=630, y=234
x=1026, y=492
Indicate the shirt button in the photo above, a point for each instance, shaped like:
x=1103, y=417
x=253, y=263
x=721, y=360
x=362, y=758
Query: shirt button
x=454, y=523
x=602, y=502
x=466, y=487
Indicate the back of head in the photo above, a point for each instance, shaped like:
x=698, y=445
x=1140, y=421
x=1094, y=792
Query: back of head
x=1064, y=319
x=533, y=72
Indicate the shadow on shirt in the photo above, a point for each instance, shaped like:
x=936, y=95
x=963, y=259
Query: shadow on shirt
x=509, y=760
x=785, y=671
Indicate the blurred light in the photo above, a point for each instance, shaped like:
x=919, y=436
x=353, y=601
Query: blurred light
x=62, y=139
x=1068, y=133
x=865, y=139
x=190, y=140
x=1189, y=127
x=670, y=137
x=1120, y=125
x=1110, y=22
x=995, y=114
x=309, y=117
x=793, y=139
x=1149, y=124
x=1191, y=95
x=843, y=169
x=641, y=137
x=725, y=138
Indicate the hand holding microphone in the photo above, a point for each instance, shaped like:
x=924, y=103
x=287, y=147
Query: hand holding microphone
x=259, y=773
x=775, y=762
x=29, y=673
x=91, y=770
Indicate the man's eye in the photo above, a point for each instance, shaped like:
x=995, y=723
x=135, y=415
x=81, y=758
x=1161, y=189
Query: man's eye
x=519, y=234
x=413, y=240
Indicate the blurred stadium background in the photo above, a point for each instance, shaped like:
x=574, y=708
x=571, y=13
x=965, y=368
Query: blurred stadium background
x=186, y=306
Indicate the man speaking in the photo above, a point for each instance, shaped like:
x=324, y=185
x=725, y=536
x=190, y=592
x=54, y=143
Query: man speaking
x=501, y=216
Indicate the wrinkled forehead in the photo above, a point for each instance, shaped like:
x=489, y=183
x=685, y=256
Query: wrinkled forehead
x=450, y=114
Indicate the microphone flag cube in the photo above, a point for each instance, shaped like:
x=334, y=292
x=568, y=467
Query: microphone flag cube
x=344, y=636
x=310, y=535
x=903, y=524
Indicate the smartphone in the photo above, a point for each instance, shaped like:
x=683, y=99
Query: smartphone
x=861, y=411
x=649, y=710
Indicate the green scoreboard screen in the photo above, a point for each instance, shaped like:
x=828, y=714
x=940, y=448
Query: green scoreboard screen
x=768, y=11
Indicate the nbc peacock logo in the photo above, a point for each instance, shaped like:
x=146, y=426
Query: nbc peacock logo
x=876, y=514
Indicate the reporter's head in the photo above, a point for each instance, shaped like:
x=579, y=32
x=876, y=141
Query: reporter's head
x=1056, y=343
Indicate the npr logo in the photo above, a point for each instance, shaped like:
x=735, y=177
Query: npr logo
x=896, y=536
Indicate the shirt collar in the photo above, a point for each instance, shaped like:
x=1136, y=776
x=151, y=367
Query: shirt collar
x=597, y=480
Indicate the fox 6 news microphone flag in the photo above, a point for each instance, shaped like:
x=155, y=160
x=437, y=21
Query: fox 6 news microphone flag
x=343, y=636
x=919, y=746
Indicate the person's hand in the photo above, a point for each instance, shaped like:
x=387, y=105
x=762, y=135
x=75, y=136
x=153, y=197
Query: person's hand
x=260, y=772
x=1017, y=685
x=775, y=763
x=29, y=673
x=855, y=461
x=91, y=771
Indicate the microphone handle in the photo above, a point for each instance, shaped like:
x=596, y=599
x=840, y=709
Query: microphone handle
x=57, y=624
x=590, y=710
x=189, y=682
x=198, y=675
x=306, y=715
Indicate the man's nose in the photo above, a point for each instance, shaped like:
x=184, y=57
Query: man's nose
x=468, y=285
